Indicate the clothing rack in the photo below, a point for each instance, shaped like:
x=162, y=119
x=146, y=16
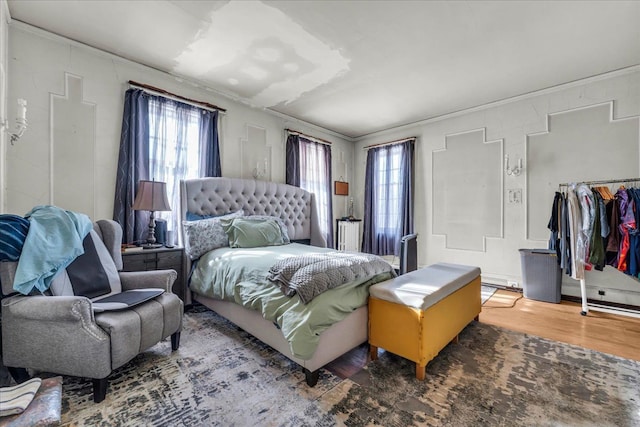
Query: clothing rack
x=606, y=181
x=583, y=283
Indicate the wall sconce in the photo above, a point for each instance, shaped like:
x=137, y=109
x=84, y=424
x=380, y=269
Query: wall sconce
x=259, y=174
x=515, y=171
x=21, y=122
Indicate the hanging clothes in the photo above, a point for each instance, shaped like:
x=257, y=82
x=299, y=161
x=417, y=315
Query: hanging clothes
x=588, y=210
x=598, y=227
x=596, y=245
x=554, y=224
x=627, y=222
x=565, y=237
x=576, y=240
x=613, y=241
x=634, y=234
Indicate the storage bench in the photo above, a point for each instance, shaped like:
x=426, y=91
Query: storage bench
x=417, y=314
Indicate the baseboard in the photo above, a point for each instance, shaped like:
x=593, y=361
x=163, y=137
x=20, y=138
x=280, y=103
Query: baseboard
x=504, y=287
x=600, y=302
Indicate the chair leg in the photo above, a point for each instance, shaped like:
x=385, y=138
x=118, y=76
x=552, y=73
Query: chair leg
x=19, y=375
x=175, y=341
x=99, y=389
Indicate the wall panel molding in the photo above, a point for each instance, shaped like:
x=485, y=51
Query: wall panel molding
x=585, y=143
x=72, y=124
x=466, y=173
x=256, y=153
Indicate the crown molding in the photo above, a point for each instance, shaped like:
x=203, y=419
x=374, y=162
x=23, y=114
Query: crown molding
x=493, y=104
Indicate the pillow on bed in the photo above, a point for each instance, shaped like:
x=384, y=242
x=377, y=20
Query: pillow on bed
x=197, y=217
x=204, y=235
x=283, y=227
x=190, y=216
x=252, y=233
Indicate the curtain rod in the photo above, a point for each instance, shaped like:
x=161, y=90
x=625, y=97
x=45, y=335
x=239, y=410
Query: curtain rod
x=606, y=181
x=313, y=138
x=397, y=141
x=162, y=92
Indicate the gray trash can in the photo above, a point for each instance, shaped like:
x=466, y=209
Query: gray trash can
x=541, y=275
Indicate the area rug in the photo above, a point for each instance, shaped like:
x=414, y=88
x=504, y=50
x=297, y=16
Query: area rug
x=221, y=376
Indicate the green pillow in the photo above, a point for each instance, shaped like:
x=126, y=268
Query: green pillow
x=252, y=233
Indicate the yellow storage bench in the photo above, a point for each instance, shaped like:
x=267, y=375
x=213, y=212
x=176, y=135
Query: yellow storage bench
x=417, y=314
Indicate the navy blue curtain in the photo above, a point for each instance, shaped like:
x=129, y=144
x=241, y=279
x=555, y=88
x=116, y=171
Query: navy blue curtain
x=209, y=143
x=388, y=199
x=133, y=165
x=292, y=161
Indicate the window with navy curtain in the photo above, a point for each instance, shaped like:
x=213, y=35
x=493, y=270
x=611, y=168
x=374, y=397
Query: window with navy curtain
x=162, y=140
x=388, y=204
x=308, y=166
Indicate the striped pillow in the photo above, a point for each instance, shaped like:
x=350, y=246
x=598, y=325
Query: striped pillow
x=14, y=400
x=13, y=232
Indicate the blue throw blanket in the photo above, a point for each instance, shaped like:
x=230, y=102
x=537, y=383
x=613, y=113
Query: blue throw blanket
x=54, y=240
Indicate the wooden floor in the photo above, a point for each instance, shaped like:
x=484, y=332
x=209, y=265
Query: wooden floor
x=608, y=333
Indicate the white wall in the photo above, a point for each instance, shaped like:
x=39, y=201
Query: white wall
x=40, y=164
x=520, y=125
x=4, y=56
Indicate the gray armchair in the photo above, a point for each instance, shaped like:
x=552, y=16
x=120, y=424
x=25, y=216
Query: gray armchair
x=66, y=335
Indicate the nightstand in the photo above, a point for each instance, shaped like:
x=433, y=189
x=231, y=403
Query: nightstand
x=159, y=259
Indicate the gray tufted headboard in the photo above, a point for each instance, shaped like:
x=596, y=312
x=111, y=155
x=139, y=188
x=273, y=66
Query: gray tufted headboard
x=218, y=196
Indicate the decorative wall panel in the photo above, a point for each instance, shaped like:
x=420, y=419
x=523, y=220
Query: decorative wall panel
x=584, y=144
x=467, y=190
x=256, y=154
x=73, y=138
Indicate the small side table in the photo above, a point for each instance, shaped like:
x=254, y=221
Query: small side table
x=159, y=259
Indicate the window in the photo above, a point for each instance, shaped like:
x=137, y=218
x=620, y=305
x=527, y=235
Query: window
x=174, y=150
x=388, y=188
x=388, y=198
x=309, y=167
x=162, y=140
x=314, y=178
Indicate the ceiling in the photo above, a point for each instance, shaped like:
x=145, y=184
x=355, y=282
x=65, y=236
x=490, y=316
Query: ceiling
x=357, y=67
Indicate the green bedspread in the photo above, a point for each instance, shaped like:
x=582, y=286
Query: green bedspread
x=239, y=275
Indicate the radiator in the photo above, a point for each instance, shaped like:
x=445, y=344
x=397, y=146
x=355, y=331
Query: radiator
x=348, y=234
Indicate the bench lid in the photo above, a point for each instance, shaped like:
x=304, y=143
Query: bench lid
x=424, y=287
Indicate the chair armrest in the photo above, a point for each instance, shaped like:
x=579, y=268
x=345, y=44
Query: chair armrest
x=48, y=309
x=54, y=334
x=162, y=279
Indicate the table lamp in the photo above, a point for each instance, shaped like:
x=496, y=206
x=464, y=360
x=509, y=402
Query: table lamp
x=151, y=196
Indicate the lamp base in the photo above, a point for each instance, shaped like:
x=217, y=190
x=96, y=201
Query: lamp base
x=151, y=245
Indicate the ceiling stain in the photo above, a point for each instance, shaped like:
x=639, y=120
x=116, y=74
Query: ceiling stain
x=259, y=53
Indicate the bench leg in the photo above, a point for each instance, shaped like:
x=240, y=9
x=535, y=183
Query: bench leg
x=373, y=352
x=420, y=371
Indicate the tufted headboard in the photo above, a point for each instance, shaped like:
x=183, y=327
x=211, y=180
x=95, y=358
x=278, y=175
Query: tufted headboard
x=218, y=196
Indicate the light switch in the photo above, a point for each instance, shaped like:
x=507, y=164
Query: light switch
x=515, y=195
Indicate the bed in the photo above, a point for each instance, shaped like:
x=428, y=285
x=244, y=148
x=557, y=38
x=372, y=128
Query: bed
x=296, y=209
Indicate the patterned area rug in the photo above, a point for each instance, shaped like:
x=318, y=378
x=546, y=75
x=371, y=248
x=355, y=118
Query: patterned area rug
x=221, y=376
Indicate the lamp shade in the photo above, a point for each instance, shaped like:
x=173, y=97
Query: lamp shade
x=151, y=196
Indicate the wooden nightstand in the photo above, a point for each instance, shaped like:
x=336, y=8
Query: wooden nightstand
x=159, y=259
